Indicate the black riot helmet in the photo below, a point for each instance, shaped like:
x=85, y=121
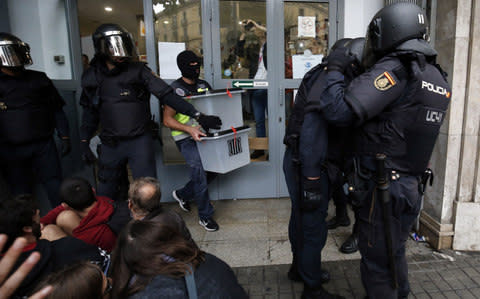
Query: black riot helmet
x=391, y=26
x=114, y=41
x=355, y=48
x=14, y=52
x=340, y=43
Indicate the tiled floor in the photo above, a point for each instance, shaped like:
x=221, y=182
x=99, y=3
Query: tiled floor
x=253, y=239
x=253, y=232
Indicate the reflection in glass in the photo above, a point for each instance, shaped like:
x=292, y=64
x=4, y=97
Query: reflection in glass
x=306, y=36
x=242, y=39
x=179, y=22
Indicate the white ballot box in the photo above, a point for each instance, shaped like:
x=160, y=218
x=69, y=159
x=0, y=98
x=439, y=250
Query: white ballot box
x=225, y=151
x=219, y=103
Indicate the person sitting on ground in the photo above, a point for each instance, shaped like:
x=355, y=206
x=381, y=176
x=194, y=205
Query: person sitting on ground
x=19, y=217
x=81, y=280
x=154, y=257
x=9, y=282
x=84, y=215
x=144, y=197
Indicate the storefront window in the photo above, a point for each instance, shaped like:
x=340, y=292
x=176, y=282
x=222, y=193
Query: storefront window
x=128, y=14
x=178, y=27
x=306, y=36
x=242, y=38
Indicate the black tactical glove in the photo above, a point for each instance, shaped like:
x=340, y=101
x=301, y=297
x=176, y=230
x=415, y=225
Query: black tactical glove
x=339, y=60
x=87, y=155
x=209, y=121
x=66, y=146
x=312, y=194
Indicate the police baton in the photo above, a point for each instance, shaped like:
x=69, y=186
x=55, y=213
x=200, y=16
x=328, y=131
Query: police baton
x=383, y=194
x=295, y=143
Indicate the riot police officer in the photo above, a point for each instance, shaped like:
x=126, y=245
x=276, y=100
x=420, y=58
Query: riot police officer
x=116, y=93
x=399, y=105
x=307, y=179
x=30, y=110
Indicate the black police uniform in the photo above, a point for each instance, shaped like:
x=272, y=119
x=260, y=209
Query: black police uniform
x=400, y=104
x=118, y=101
x=30, y=111
x=307, y=142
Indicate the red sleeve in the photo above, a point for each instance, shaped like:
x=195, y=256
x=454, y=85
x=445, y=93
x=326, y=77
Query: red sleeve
x=107, y=238
x=51, y=217
x=101, y=236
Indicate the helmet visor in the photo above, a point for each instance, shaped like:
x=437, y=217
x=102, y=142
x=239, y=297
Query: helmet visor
x=15, y=54
x=119, y=46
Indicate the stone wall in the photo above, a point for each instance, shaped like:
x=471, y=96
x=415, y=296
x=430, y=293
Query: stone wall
x=449, y=207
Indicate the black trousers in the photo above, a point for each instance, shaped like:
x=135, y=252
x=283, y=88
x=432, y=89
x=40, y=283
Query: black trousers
x=21, y=164
x=138, y=152
x=374, y=267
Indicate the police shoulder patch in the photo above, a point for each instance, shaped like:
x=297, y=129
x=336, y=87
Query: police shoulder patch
x=3, y=106
x=180, y=92
x=384, y=81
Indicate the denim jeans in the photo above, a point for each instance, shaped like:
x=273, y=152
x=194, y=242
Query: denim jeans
x=197, y=188
x=260, y=104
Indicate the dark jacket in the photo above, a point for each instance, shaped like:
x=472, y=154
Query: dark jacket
x=30, y=108
x=213, y=279
x=119, y=99
x=54, y=256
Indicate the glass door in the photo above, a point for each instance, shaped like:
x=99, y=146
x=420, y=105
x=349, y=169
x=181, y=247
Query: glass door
x=309, y=29
x=294, y=36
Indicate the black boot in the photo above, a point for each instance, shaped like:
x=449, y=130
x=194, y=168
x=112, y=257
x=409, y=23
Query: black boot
x=295, y=276
x=341, y=217
x=337, y=221
x=350, y=245
x=318, y=293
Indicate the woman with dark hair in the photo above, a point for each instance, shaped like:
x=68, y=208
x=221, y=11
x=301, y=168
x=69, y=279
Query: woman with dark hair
x=78, y=281
x=154, y=258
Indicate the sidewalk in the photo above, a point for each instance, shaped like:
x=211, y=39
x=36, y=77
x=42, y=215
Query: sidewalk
x=253, y=239
x=431, y=276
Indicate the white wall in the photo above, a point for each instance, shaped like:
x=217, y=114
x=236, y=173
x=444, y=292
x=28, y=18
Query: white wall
x=357, y=16
x=87, y=46
x=42, y=24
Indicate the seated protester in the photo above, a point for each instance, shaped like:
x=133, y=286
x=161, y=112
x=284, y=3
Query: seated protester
x=144, y=197
x=84, y=215
x=82, y=280
x=154, y=256
x=19, y=217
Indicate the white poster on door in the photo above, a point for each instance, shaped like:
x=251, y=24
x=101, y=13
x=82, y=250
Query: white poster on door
x=306, y=27
x=167, y=59
x=301, y=64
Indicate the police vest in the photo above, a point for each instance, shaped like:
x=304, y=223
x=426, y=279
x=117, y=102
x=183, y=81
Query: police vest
x=121, y=99
x=182, y=91
x=27, y=108
x=407, y=127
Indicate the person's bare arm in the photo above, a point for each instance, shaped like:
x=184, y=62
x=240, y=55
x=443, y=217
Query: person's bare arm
x=9, y=283
x=170, y=122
